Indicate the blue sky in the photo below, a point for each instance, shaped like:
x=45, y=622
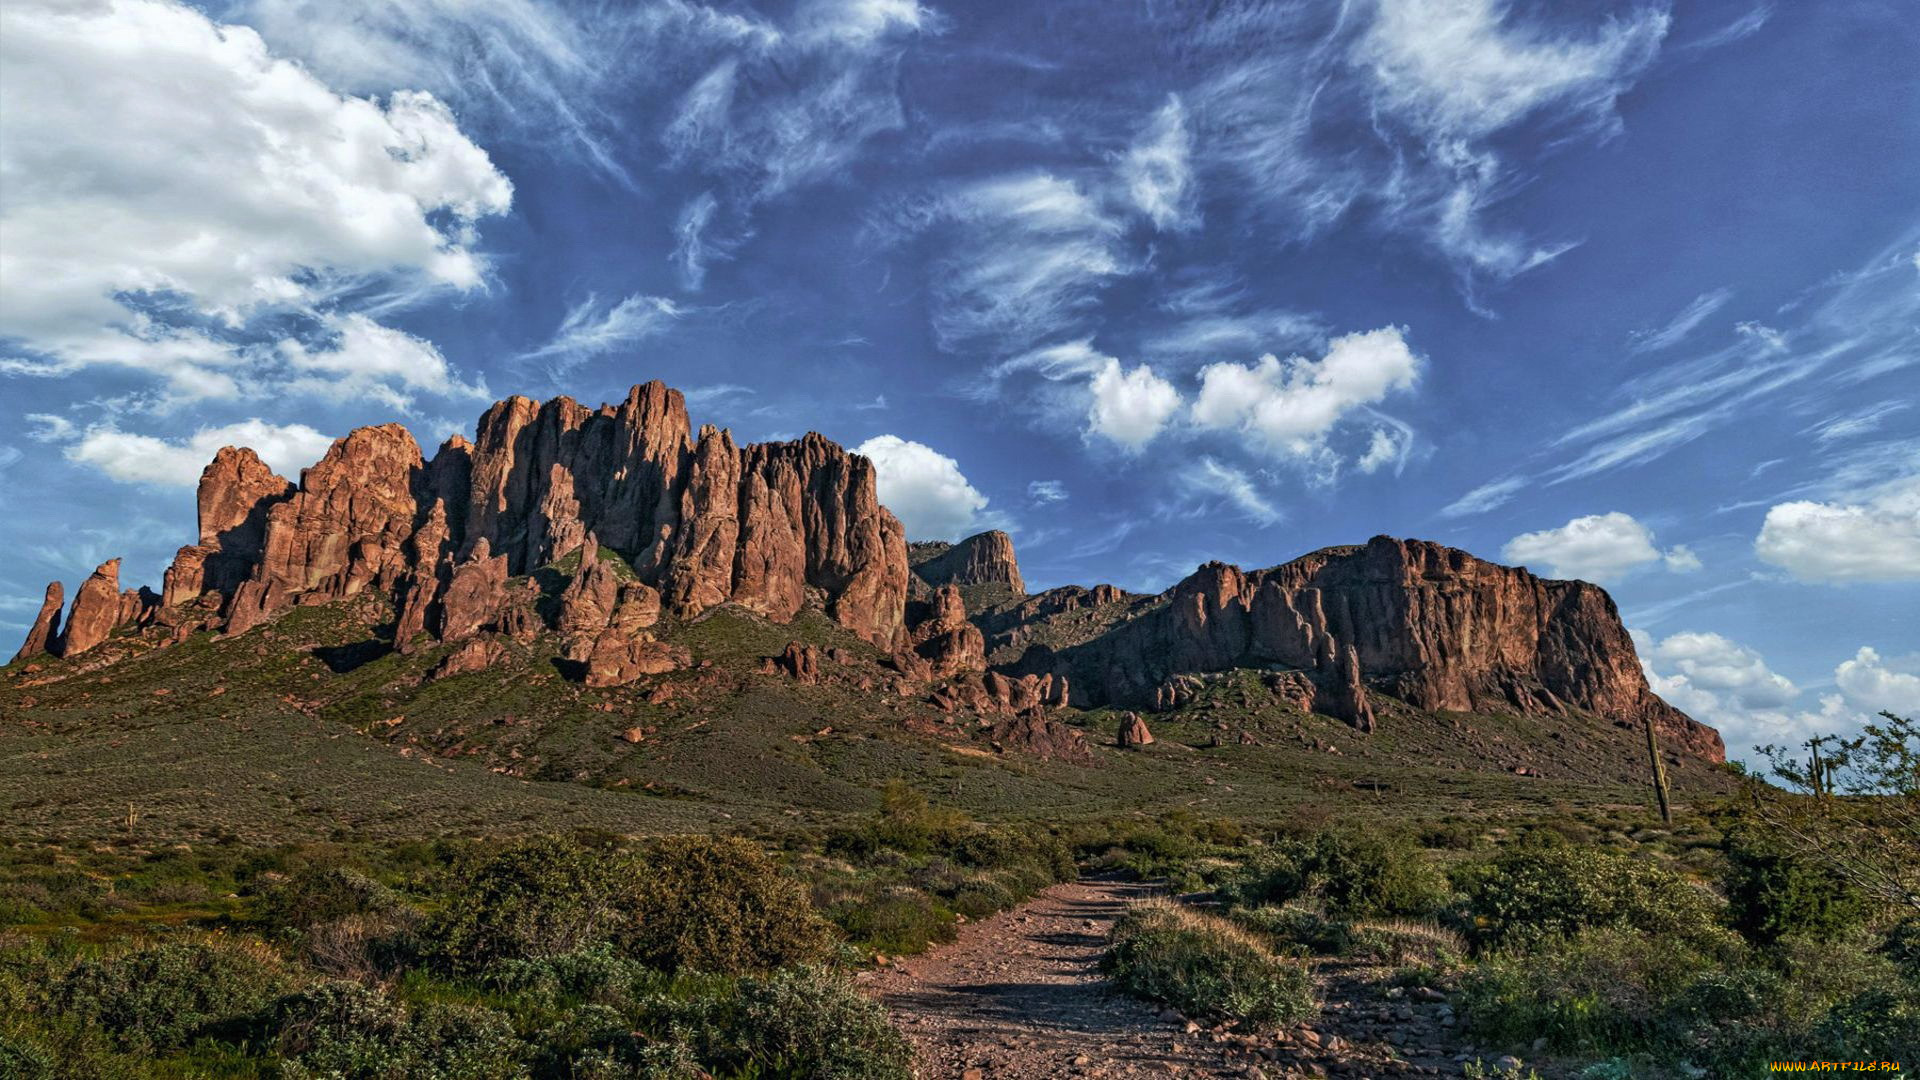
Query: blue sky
x=1627, y=291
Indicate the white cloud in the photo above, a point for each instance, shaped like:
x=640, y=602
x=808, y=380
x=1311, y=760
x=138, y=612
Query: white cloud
x=924, y=488
x=594, y=328
x=1681, y=559
x=1598, y=547
x=1464, y=68
x=1488, y=496
x=1876, y=539
x=143, y=459
x=1158, y=173
x=1032, y=251
x=1730, y=686
x=1711, y=662
x=360, y=358
x=1130, y=407
x=1291, y=406
x=1873, y=684
x=1208, y=478
x=1703, y=306
x=1047, y=491
x=169, y=179
x=692, y=250
x=1851, y=425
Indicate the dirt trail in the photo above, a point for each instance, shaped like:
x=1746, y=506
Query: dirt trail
x=1020, y=995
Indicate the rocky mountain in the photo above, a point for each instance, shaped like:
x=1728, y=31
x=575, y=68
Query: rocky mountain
x=589, y=534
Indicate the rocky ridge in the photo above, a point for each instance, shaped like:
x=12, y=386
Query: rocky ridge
x=598, y=525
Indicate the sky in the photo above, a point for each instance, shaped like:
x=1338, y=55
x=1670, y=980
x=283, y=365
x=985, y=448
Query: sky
x=1625, y=291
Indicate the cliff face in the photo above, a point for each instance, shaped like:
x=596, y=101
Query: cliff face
x=983, y=559
x=1428, y=624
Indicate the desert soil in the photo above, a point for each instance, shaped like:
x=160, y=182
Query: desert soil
x=1020, y=995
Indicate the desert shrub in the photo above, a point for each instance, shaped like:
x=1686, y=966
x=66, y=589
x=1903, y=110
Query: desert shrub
x=719, y=904
x=1206, y=967
x=158, y=998
x=22, y=1059
x=314, y=895
x=1558, y=891
x=893, y=920
x=1354, y=873
x=536, y=898
x=1299, y=929
x=1772, y=894
x=807, y=1022
x=345, y=1029
x=981, y=897
x=362, y=946
x=1599, y=989
x=594, y=976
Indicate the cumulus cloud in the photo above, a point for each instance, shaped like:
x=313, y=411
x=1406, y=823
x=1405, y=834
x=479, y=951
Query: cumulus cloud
x=1158, y=171
x=1598, y=547
x=924, y=488
x=1291, y=406
x=1877, y=539
x=169, y=179
x=1711, y=662
x=1875, y=684
x=143, y=459
x=357, y=357
x=1130, y=407
x=1731, y=687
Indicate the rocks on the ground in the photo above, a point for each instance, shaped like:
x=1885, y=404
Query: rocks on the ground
x=617, y=659
x=476, y=654
x=1133, y=731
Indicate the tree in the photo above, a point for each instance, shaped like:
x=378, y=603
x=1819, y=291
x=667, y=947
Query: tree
x=1851, y=807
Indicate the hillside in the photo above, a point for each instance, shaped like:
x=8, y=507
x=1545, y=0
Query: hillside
x=591, y=616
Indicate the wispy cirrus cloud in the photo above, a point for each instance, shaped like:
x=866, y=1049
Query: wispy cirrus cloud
x=594, y=327
x=1683, y=324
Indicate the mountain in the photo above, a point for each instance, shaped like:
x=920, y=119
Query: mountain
x=612, y=559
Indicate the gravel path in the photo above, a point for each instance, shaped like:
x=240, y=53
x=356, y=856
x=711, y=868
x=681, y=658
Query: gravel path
x=1020, y=995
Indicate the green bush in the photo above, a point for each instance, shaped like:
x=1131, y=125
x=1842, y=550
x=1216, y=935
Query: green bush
x=1206, y=967
x=1361, y=874
x=1560, y=891
x=313, y=895
x=159, y=998
x=812, y=1023
x=719, y=904
x=536, y=898
x=346, y=1029
x=1772, y=894
x=1601, y=989
x=894, y=920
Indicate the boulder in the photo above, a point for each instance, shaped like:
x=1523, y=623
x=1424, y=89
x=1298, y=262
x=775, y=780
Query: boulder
x=617, y=659
x=801, y=662
x=1036, y=734
x=1133, y=731
x=476, y=654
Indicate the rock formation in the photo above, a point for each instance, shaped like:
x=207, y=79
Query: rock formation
x=945, y=639
x=983, y=559
x=667, y=524
x=96, y=610
x=1133, y=731
x=45, y=632
x=1430, y=625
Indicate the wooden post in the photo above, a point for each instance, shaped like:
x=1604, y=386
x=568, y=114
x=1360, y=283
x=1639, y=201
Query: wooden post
x=1659, y=771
